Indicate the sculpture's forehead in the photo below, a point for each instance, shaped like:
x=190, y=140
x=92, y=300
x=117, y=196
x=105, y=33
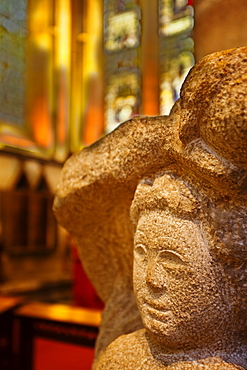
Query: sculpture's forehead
x=162, y=227
x=168, y=193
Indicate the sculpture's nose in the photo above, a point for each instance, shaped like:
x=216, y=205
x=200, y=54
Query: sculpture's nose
x=154, y=277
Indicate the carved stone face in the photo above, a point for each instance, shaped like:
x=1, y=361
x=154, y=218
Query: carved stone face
x=182, y=297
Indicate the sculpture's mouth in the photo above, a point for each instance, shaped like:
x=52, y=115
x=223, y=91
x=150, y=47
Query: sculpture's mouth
x=157, y=305
x=158, y=313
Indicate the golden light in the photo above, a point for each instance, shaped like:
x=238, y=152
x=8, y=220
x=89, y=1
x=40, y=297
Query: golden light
x=92, y=73
x=63, y=34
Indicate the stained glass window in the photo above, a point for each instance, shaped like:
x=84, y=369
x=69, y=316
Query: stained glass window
x=122, y=26
x=122, y=99
x=176, y=49
x=121, y=43
x=122, y=31
x=174, y=70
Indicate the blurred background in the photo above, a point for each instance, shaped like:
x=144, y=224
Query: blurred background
x=70, y=72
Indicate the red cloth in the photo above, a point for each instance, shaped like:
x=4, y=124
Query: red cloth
x=84, y=294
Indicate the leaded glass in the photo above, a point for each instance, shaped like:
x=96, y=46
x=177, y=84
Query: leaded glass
x=175, y=17
x=123, y=31
x=122, y=99
x=176, y=49
x=121, y=41
x=175, y=69
x=122, y=25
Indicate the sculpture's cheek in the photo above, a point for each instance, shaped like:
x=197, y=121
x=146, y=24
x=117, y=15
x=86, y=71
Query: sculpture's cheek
x=188, y=309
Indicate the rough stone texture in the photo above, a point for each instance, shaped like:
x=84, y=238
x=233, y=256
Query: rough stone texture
x=173, y=189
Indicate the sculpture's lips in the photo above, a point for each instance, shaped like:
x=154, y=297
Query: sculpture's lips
x=158, y=313
x=155, y=305
x=162, y=316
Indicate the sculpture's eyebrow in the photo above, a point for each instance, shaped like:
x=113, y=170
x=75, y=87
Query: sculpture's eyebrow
x=177, y=257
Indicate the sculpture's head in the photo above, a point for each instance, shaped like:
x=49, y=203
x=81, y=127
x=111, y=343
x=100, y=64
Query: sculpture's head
x=190, y=265
x=214, y=104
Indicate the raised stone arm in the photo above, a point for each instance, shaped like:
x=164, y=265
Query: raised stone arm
x=93, y=202
x=97, y=187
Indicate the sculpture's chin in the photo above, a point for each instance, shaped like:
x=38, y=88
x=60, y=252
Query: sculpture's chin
x=175, y=334
x=164, y=329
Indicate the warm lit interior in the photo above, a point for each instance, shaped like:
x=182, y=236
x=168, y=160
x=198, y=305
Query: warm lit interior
x=71, y=71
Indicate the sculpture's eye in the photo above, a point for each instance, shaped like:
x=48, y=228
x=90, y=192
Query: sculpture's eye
x=170, y=258
x=140, y=252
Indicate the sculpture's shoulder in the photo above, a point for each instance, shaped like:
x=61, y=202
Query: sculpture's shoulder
x=132, y=351
x=128, y=352
x=211, y=363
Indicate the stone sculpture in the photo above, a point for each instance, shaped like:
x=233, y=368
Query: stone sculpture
x=173, y=189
